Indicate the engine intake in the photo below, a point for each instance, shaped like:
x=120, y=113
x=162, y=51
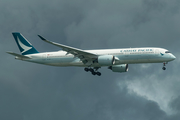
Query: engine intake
x=119, y=68
x=106, y=60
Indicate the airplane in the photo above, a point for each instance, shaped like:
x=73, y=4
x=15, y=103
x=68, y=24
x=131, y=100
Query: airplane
x=116, y=60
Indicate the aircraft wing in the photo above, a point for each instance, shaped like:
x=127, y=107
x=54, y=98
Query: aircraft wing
x=83, y=55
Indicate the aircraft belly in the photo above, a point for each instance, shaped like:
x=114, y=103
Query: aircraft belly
x=66, y=62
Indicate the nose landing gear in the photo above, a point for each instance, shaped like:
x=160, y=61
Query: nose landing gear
x=164, y=64
x=93, y=71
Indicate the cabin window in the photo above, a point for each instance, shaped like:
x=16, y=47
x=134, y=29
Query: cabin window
x=167, y=52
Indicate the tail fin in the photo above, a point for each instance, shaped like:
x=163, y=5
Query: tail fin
x=24, y=45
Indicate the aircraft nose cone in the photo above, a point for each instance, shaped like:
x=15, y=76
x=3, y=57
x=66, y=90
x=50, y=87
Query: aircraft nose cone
x=173, y=57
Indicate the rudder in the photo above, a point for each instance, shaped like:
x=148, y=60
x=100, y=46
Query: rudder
x=24, y=45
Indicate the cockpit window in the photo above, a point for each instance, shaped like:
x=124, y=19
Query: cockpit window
x=167, y=52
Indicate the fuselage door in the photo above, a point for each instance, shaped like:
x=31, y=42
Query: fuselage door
x=157, y=51
x=44, y=56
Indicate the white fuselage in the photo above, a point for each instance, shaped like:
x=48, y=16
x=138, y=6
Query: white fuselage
x=123, y=56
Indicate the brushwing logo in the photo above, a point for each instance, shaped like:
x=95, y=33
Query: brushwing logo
x=161, y=54
x=26, y=48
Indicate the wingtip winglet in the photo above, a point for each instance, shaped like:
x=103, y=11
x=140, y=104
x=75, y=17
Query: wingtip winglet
x=9, y=52
x=41, y=37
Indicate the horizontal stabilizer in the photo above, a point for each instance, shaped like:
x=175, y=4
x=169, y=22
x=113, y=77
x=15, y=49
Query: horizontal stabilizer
x=18, y=55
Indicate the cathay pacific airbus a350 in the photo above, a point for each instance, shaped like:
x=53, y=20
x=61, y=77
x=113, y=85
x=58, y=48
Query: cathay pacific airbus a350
x=115, y=59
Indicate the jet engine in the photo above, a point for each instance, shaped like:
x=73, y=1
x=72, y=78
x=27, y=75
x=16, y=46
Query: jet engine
x=119, y=68
x=106, y=60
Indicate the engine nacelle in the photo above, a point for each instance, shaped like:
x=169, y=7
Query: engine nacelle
x=119, y=68
x=106, y=60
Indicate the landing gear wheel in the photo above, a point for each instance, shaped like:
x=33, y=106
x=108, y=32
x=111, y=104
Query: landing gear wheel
x=94, y=73
x=91, y=70
x=86, y=69
x=164, y=68
x=98, y=73
x=164, y=64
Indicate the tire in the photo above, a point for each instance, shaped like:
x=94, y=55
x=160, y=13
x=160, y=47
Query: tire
x=94, y=73
x=98, y=73
x=86, y=69
x=91, y=70
x=164, y=68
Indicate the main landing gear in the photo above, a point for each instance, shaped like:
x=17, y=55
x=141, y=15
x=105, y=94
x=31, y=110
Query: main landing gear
x=164, y=64
x=93, y=71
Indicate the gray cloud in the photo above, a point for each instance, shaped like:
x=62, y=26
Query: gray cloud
x=175, y=104
x=31, y=91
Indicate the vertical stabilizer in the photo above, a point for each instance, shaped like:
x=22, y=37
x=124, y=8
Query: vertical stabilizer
x=24, y=45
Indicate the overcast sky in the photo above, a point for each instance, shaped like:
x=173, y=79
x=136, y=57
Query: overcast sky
x=36, y=92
